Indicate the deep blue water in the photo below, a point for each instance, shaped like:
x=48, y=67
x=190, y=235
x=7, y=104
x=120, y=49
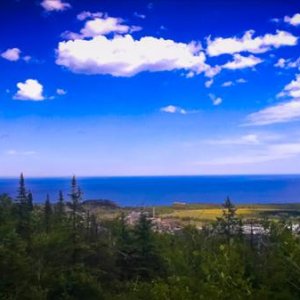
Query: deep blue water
x=165, y=190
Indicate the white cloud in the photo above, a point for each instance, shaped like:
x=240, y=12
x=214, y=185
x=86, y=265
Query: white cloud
x=283, y=112
x=215, y=100
x=241, y=62
x=280, y=113
x=99, y=24
x=61, y=92
x=125, y=56
x=249, y=43
x=284, y=63
x=31, y=89
x=292, y=89
x=212, y=71
x=95, y=50
x=232, y=83
x=12, y=54
x=55, y=5
x=103, y=26
x=209, y=83
x=294, y=20
x=227, y=84
x=172, y=109
x=281, y=63
x=89, y=15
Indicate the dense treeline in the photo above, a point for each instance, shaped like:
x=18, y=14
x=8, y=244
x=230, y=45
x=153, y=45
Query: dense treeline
x=61, y=251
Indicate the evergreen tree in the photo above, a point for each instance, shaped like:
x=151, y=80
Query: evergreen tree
x=229, y=224
x=147, y=261
x=23, y=210
x=22, y=194
x=47, y=214
x=76, y=217
x=30, y=201
x=60, y=206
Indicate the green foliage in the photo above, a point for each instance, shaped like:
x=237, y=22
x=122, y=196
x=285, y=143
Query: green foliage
x=62, y=251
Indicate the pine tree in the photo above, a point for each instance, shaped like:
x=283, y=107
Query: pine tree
x=147, y=261
x=60, y=206
x=22, y=194
x=47, y=214
x=23, y=209
x=229, y=224
x=76, y=216
x=76, y=196
x=30, y=201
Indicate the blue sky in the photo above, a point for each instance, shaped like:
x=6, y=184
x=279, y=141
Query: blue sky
x=149, y=88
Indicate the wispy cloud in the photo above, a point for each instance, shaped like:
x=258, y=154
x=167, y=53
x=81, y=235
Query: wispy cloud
x=138, y=15
x=280, y=113
x=249, y=139
x=13, y=152
x=272, y=152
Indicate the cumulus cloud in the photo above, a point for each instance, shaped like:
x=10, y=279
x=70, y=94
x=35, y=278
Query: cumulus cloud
x=249, y=43
x=31, y=89
x=294, y=20
x=126, y=56
x=99, y=24
x=105, y=45
x=55, y=5
x=12, y=54
x=172, y=109
x=241, y=62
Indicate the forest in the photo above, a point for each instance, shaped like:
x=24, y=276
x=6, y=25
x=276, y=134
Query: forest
x=59, y=250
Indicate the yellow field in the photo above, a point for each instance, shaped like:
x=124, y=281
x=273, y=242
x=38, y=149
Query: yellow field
x=210, y=214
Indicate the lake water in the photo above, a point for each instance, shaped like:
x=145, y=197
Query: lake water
x=161, y=190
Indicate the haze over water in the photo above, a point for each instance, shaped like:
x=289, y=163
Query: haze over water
x=164, y=190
